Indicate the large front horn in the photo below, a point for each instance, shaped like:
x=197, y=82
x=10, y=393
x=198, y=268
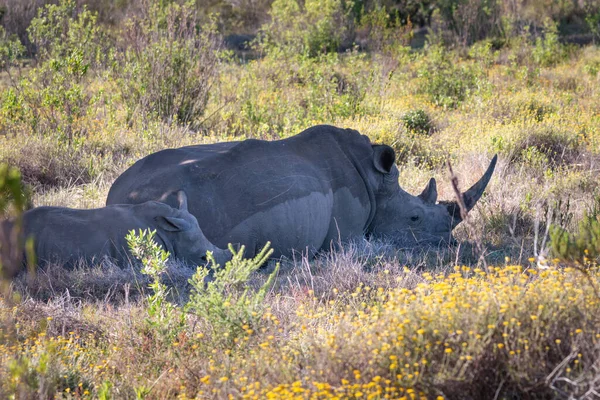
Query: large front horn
x=471, y=196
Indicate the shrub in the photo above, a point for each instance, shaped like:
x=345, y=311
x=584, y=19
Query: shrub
x=161, y=313
x=592, y=20
x=53, y=98
x=386, y=33
x=16, y=16
x=548, y=50
x=542, y=147
x=471, y=20
x=11, y=50
x=581, y=247
x=446, y=83
x=279, y=96
x=168, y=65
x=316, y=28
x=417, y=121
x=13, y=201
x=225, y=302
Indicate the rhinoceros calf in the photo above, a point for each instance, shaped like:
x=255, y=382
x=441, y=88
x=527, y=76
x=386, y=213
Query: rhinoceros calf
x=66, y=235
x=305, y=191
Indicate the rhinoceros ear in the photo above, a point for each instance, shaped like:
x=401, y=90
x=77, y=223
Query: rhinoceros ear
x=429, y=194
x=383, y=158
x=182, y=200
x=172, y=224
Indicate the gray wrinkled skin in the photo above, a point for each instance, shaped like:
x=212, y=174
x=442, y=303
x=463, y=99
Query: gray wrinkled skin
x=323, y=185
x=67, y=236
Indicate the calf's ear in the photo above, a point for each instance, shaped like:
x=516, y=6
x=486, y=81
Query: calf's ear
x=182, y=200
x=172, y=224
x=383, y=158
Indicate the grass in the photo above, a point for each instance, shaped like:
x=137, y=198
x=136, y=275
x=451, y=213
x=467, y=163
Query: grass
x=331, y=329
x=491, y=317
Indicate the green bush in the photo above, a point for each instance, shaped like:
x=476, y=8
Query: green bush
x=471, y=20
x=315, y=28
x=229, y=306
x=581, y=247
x=417, y=121
x=548, y=50
x=168, y=65
x=387, y=33
x=14, y=200
x=11, y=50
x=279, y=96
x=446, y=83
x=162, y=317
x=53, y=98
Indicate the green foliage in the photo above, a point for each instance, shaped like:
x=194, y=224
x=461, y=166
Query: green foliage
x=53, y=98
x=279, y=96
x=104, y=391
x=14, y=200
x=583, y=246
x=229, y=306
x=446, y=83
x=471, y=20
x=11, y=49
x=386, y=33
x=161, y=312
x=417, y=121
x=592, y=19
x=592, y=68
x=316, y=28
x=539, y=147
x=168, y=65
x=417, y=12
x=61, y=31
x=548, y=50
x=329, y=21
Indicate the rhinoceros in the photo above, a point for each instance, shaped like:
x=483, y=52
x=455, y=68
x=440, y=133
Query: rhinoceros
x=67, y=235
x=303, y=192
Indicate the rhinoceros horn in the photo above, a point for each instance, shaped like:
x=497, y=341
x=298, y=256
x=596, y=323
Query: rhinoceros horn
x=429, y=194
x=471, y=196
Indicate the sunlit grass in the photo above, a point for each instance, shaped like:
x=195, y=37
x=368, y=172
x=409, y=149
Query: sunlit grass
x=445, y=334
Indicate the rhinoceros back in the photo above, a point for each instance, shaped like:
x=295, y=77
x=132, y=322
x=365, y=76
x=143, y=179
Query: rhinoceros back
x=254, y=191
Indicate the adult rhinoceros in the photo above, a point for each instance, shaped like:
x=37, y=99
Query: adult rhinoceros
x=322, y=185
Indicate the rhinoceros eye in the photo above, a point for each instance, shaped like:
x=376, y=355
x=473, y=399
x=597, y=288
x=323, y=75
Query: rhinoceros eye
x=414, y=218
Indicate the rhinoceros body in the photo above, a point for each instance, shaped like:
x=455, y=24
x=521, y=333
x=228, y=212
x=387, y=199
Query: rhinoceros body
x=66, y=235
x=325, y=184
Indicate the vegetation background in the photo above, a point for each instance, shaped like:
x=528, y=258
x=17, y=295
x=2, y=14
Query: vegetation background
x=89, y=87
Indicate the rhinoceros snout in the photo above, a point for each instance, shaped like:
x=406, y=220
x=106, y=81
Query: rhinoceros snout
x=221, y=257
x=410, y=238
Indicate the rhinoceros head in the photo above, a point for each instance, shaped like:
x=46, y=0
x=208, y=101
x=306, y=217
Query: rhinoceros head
x=181, y=230
x=416, y=219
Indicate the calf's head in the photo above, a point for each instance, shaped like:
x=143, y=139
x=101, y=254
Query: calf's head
x=180, y=231
x=415, y=219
